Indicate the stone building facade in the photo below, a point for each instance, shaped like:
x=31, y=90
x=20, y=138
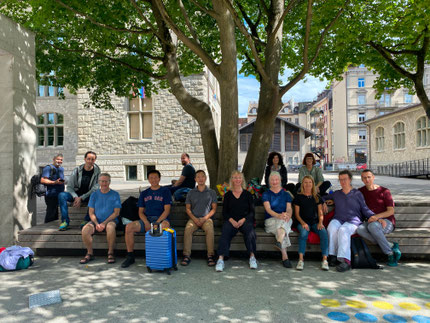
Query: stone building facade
x=138, y=135
x=402, y=135
x=354, y=102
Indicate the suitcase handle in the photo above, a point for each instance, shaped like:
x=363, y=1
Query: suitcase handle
x=156, y=230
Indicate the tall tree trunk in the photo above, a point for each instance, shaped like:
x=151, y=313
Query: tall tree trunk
x=228, y=148
x=422, y=95
x=198, y=109
x=269, y=102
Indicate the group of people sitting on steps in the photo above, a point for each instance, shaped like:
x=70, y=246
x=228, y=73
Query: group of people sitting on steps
x=368, y=211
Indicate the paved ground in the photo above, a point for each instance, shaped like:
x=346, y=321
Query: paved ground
x=403, y=189
x=106, y=293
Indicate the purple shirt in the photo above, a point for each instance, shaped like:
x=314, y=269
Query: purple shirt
x=349, y=207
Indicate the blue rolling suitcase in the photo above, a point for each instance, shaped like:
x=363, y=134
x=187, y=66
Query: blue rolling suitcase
x=160, y=248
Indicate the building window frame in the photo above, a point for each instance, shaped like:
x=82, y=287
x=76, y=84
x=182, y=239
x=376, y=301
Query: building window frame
x=362, y=134
x=138, y=110
x=423, y=132
x=399, y=136
x=361, y=82
x=50, y=129
x=408, y=98
x=361, y=99
x=380, y=139
x=361, y=116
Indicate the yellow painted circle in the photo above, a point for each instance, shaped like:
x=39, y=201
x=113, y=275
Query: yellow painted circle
x=410, y=306
x=330, y=302
x=383, y=305
x=356, y=304
x=428, y=305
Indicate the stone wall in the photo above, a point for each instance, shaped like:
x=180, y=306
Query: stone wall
x=17, y=129
x=174, y=132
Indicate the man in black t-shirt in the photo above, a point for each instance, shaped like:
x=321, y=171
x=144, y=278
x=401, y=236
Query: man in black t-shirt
x=81, y=184
x=186, y=181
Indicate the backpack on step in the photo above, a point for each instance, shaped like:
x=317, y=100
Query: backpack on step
x=361, y=256
x=37, y=188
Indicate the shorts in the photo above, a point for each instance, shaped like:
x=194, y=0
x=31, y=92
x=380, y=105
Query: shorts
x=151, y=219
x=94, y=225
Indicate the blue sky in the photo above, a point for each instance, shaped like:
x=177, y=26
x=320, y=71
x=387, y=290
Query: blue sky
x=305, y=90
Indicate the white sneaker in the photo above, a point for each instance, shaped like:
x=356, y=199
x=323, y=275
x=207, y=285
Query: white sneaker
x=253, y=263
x=324, y=265
x=219, y=265
x=300, y=265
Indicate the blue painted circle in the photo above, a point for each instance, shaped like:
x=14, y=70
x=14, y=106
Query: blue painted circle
x=392, y=318
x=365, y=317
x=421, y=319
x=338, y=316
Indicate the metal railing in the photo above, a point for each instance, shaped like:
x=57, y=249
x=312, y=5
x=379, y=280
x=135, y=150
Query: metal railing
x=410, y=168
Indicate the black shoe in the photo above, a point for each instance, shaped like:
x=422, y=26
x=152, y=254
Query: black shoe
x=287, y=263
x=127, y=262
x=332, y=261
x=343, y=267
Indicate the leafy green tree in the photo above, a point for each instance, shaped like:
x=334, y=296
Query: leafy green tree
x=391, y=38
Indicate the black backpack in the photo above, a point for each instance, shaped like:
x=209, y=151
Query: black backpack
x=37, y=188
x=129, y=209
x=361, y=256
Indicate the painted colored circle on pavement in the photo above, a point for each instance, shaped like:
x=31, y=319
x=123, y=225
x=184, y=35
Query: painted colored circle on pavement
x=330, y=302
x=409, y=306
x=392, y=318
x=365, y=317
x=324, y=291
x=372, y=293
x=347, y=292
x=421, y=319
x=356, y=304
x=421, y=295
x=428, y=305
x=338, y=316
x=383, y=305
x=397, y=294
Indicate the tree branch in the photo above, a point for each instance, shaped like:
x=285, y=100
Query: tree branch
x=324, y=33
x=307, y=36
x=206, y=11
x=141, y=14
x=289, y=7
x=188, y=22
x=190, y=43
x=248, y=37
x=140, y=52
x=95, y=22
x=115, y=60
x=387, y=56
x=263, y=5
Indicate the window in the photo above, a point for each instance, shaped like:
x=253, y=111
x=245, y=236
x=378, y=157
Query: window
x=131, y=172
x=361, y=82
x=423, y=132
x=245, y=140
x=361, y=116
x=380, y=140
x=361, y=99
x=427, y=79
x=50, y=129
x=290, y=160
x=399, y=135
x=296, y=120
x=385, y=100
x=140, y=118
x=408, y=98
x=362, y=134
x=147, y=169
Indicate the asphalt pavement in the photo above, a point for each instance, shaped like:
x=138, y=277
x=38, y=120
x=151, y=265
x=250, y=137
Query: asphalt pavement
x=99, y=292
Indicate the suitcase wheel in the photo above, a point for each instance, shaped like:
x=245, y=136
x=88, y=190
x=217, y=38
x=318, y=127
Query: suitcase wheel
x=175, y=268
x=149, y=270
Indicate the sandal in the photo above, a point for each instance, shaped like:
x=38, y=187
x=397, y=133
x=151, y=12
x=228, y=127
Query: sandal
x=211, y=261
x=185, y=261
x=111, y=258
x=88, y=257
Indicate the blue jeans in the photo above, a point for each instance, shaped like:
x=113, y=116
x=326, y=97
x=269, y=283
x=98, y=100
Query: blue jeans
x=304, y=236
x=63, y=198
